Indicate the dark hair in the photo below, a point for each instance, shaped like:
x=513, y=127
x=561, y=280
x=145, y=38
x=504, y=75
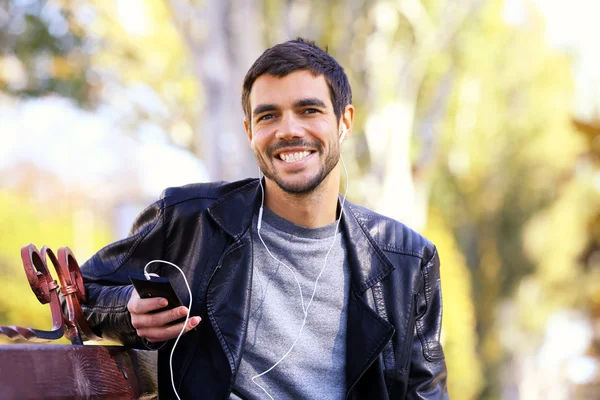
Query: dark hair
x=300, y=55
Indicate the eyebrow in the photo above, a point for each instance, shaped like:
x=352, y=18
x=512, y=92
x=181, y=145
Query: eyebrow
x=263, y=108
x=310, y=102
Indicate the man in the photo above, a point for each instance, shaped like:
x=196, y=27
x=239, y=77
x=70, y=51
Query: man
x=292, y=305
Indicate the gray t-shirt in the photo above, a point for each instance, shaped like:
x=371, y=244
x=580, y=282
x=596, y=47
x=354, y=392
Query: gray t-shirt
x=315, y=368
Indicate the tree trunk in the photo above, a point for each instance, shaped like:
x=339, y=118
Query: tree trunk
x=224, y=39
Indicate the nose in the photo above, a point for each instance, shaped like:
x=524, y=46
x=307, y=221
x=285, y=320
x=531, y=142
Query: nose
x=289, y=128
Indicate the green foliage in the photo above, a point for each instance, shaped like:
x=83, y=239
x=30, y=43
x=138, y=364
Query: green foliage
x=459, y=319
x=507, y=151
x=152, y=54
x=42, y=51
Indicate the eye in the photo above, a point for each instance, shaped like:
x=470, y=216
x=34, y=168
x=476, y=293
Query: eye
x=265, y=117
x=310, y=111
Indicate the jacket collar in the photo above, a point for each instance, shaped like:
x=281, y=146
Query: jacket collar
x=234, y=211
x=368, y=332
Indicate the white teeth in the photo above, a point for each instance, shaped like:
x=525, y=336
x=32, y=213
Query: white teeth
x=293, y=157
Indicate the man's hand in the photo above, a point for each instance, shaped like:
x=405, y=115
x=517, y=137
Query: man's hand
x=155, y=327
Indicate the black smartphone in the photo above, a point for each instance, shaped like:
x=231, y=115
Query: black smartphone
x=156, y=287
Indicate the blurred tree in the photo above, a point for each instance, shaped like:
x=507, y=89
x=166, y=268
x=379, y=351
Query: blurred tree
x=459, y=318
x=127, y=58
x=144, y=70
x=458, y=112
x=587, y=286
x=507, y=152
x=223, y=38
x=408, y=38
x=43, y=50
x=590, y=160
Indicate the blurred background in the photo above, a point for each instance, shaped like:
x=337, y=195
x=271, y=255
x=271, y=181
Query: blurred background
x=478, y=124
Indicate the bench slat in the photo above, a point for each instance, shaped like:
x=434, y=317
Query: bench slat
x=64, y=371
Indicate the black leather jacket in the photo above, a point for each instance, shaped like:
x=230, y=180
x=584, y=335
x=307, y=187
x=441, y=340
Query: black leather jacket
x=394, y=310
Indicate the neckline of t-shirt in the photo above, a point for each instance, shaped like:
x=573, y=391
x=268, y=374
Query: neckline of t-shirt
x=281, y=224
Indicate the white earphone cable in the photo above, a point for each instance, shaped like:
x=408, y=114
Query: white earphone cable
x=187, y=317
x=305, y=310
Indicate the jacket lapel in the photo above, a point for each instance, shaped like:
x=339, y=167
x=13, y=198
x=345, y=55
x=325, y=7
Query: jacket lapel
x=229, y=288
x=368, y=263
x=228, y=299
x=368, y=332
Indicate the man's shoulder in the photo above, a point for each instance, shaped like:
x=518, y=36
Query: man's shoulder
x=391, y=235
x=205, y=192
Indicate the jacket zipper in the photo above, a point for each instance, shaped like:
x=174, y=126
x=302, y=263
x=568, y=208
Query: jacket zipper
x=228, y=251
x=410, y=333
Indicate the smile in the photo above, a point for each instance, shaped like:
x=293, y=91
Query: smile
x=293, y=157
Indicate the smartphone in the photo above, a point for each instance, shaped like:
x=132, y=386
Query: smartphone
x=156, y=287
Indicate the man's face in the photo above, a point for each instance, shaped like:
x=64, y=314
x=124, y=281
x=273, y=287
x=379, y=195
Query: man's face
x=293, y=130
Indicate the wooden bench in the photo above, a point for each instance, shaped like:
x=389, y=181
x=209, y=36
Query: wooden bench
x=36, y=371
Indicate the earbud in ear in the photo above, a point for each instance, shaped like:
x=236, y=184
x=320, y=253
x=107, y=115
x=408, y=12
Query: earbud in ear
x=343, y=135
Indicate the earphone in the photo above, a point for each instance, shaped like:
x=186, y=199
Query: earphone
x=187, y=317
x=305, y=310
x=342, y=137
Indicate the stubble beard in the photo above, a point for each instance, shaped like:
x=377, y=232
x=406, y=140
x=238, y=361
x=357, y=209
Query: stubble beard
x=304, y=187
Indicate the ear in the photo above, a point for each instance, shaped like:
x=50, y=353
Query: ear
x=346, y=122
x=248, y=133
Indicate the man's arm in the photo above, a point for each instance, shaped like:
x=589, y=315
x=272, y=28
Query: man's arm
x=106, y=276
x=428, y=373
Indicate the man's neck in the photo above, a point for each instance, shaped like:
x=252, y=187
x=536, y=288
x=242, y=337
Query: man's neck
x=312, y=210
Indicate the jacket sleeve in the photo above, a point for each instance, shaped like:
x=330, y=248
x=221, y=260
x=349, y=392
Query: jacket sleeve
x=428, y=373
x=106, y=276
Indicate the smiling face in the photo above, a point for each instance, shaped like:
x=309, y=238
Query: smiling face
x=293, y=130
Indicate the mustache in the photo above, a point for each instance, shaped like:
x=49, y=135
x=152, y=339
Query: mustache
x=284, y=144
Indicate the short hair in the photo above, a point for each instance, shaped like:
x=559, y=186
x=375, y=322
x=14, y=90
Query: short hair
x=300, y=55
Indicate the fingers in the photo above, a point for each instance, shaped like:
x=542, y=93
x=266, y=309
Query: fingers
x=158, y=319
x=156, y=326
x=163, y=333
x=136, y=305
